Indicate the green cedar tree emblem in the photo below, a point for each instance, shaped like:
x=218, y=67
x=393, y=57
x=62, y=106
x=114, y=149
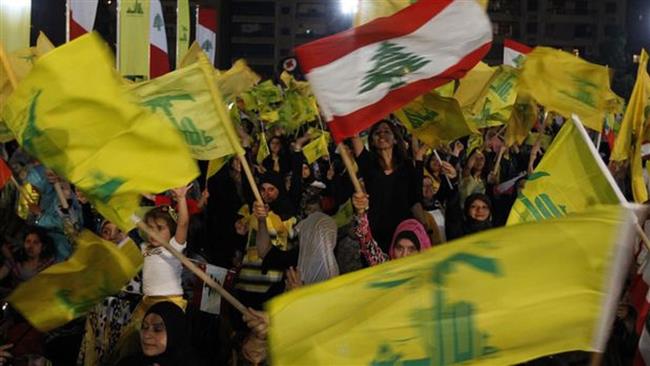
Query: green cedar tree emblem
x=584, y=91
x=136, y=9
x=392, y=64
x=158, y=22
x=206, y=46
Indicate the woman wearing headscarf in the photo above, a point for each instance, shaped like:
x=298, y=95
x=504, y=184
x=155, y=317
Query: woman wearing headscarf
x=392, y=180
x=409, y=238
x=476, y=216
x=164, y=339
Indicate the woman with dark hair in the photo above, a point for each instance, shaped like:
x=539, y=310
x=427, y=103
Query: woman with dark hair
x=36, y=254
x=279, y=161
x=477, y=216
x=392, y=180
x=164, y=339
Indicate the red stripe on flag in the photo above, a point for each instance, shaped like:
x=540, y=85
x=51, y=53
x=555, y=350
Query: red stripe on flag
x=5, y=173
x=158, y=62
x=76, y=30
x=208, y=18
x=519, y=47
x=351, y=124
x=408, y=20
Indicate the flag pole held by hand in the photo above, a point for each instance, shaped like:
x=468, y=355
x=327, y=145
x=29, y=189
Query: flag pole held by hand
x=451, y=186
x=191, y=266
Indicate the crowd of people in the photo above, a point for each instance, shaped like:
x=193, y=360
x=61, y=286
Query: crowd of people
x=311, y=226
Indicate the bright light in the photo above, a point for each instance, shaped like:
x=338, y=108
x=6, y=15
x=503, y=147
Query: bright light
x=349, y=7
x=16, y=4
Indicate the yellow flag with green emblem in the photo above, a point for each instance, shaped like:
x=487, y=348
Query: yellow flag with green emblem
x=523, y=118
x=566, y=84
x=183, y=97
x=477, y=300
x=474, y=84
x=570, y=178
x=494, y=105
x=236, y=80
x=182, y=30
x=68, y=290
x=316, y=149
x=133, y=39
x=82, y=123
x=434, y=119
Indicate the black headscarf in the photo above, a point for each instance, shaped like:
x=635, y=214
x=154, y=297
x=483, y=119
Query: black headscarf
x=474, y=226
x=178, y=351
x=282, y=205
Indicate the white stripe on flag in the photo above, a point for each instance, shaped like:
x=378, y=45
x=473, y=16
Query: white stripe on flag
x=84, y=12
x=207, y=39
x=157, y=34
x=445, y=39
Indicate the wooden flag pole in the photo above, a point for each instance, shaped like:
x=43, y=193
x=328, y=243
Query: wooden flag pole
x=435, y=152
x=191, y=266
x=59, y=192
x=347, y=160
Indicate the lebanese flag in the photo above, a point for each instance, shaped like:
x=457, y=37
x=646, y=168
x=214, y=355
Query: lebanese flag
x=206, y=31
x=514, y=53
x=81, y=17
x=361, y=75
x=158, y=58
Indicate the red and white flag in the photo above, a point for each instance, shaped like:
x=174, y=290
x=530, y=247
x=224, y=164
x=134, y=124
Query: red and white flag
x=158, y=56
x=206, y=31
x=81, y=17
x=514, y=53
x=361, y=75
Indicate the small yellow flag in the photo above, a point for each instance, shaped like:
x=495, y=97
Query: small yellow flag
x=236, y=80
x=494, y=105
x=263, y=149
x=316, y=148
x=434, y=119
x=634, y=129
x=570, y=178
x=566, y=84
x=477, y=300
x=68, y=290
x=81, y=122
x=523, y=118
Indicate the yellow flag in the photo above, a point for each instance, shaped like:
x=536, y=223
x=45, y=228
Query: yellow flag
x=372, y=9
x=182, y=30
x=183, y=97
x=68, y=290
x=80, y=122
x=133, y=39
x=344, y=215
x=477, y=300
x=633, y=129
x=474, y=84
x=21, y=63
x=263, y=149
x=236, y=80
x=316, y=149
x=566, y=84
x=570, y=178
x=523, y=118
x=434, y=119
x=494, y=105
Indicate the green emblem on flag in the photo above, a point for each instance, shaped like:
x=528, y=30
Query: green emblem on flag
x=584, y=91
x=392, y=64
x=418, y=119
x=192, y=134
x=206, y=46
x=158, y=22
x=136, y=9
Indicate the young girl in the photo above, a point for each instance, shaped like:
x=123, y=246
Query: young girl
x=161, y=271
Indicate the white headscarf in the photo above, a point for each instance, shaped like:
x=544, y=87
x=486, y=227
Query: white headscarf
x=316, y=261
